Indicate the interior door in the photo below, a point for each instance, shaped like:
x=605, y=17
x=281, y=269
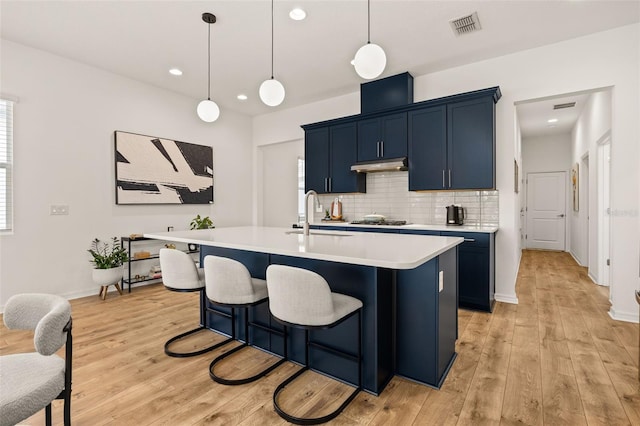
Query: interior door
x=546, y=210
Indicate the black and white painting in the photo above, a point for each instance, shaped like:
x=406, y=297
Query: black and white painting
x=151, y=170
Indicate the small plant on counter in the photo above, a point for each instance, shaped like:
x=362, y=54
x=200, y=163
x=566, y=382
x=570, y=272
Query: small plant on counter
x=201, y=223
x=107, y=256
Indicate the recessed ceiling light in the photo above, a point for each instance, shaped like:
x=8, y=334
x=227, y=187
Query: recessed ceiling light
x=175, y=71
x=242, y=97
x=552, y=120
x=297, y=14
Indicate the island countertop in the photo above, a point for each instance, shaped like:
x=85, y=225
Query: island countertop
x=392, y=251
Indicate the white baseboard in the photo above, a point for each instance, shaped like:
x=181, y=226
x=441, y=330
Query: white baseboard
x=624, y=316
x=575, y=258
x=506, y=298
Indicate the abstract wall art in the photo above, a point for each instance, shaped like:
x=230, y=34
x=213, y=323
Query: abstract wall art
x=575, y=173
x=152, y=170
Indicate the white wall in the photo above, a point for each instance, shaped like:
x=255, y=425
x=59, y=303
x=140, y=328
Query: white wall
x=550, y=154
x=609, y=58
x=279, y=183
x=64, y=154
x=592, y=126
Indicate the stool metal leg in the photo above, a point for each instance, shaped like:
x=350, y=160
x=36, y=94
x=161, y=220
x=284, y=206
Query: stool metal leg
x=317, y=420
x=174, y=354
x=233, y=382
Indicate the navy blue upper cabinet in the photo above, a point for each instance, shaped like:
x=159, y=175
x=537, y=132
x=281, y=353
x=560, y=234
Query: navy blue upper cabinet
x=428, y=148
x=382, y=137
x=316, y=148
x=471, y=148
x=452, y=145
x=329, y=153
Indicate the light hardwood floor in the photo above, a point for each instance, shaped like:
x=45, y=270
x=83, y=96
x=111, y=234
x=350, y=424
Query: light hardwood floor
x=555, y=358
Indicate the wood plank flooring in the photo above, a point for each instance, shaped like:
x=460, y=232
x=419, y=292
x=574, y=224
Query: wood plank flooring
x=555, y=358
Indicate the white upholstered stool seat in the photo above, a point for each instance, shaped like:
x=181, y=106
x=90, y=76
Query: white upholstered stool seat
x=180, y=273
x=303, y=299
x=30, y=381
x=229, y=283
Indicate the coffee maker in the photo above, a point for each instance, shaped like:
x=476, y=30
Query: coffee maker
x=455, y=215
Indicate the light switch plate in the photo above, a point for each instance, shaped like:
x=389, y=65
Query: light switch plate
x=441, y=281
x=59, y=209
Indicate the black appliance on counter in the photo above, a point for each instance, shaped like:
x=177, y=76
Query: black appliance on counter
x=455, y=215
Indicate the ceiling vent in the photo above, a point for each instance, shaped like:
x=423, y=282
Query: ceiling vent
x=562, y=106
x=466, y=24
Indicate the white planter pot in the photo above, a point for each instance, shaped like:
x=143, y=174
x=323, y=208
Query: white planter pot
x=105, y=277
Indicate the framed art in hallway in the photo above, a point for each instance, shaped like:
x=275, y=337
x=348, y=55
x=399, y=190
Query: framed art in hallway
x=153, y=170
x=574, y=186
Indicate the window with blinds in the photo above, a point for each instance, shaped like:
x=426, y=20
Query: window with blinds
x=6, y=165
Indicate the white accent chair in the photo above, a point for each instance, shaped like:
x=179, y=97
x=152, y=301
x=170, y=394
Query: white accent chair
x=229, y=284
x=179, y=273
x=30, y=381
x=303, y=299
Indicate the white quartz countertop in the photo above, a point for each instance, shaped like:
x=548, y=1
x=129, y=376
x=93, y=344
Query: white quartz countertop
x=415, y=226
x=393, y=251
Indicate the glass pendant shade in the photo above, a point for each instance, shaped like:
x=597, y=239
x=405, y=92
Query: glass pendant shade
x=208, y=111
x=272, y=92
x=370, y=61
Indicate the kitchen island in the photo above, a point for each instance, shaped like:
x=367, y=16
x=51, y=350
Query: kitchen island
x=407, y=283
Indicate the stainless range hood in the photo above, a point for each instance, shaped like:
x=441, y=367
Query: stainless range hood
x=390, y=165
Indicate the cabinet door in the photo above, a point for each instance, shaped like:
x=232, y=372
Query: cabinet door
x=316, y=169
x=471, y=144
x=427, y=148
x=394, y=136
x=382, y=137
x=473, y=278
x=368, y=139
x=343, y=154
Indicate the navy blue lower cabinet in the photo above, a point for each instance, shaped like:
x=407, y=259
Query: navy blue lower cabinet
x=476, y=270
x=418, y=232
x=425, y=343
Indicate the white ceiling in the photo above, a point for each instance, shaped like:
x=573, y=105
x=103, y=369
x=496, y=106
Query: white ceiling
x=143, y=39
x=533, y=116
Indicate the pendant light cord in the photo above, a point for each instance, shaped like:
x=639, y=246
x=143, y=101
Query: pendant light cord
x=368, y=21
x=209, y=63
x=271, y=39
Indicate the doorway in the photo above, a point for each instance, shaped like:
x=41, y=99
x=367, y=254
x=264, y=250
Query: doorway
x=546, y=211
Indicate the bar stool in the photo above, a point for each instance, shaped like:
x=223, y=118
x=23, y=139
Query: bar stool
x=229, y=284
x=179, y=273
x=302, y=299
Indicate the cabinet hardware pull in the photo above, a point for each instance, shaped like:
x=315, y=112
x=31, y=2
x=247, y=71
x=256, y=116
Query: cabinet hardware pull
x=469, y=240
x=329, y=184
x=443, y=185
x=381, y=148
x=326, y=186
x=378, y=149
x=449, y=178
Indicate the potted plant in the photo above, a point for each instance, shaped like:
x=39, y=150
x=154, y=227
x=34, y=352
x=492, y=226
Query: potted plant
x=108, y=259
x=201, y=222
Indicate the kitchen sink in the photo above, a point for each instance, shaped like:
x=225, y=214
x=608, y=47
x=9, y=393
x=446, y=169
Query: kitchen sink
x=328, y=234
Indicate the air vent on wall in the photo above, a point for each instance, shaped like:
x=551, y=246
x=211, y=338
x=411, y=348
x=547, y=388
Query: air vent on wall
x=567, y=105
x=466, y=24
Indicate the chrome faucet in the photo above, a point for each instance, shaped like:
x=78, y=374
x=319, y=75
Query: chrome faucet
x=305, y=226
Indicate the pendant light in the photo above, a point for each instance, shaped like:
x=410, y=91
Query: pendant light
x=271, y=90
x=370, y=59
x=208, y=110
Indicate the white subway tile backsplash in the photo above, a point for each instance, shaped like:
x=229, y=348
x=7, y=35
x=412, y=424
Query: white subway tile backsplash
x=387, y=194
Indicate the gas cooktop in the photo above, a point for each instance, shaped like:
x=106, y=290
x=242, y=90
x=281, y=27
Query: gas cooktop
x=384, y=222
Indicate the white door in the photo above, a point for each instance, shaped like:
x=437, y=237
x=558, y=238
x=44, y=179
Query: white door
x=546, y=216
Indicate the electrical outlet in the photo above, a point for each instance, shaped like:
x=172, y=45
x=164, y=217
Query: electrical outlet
x=441, y=281
x=59, y=209
x=319, y=208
